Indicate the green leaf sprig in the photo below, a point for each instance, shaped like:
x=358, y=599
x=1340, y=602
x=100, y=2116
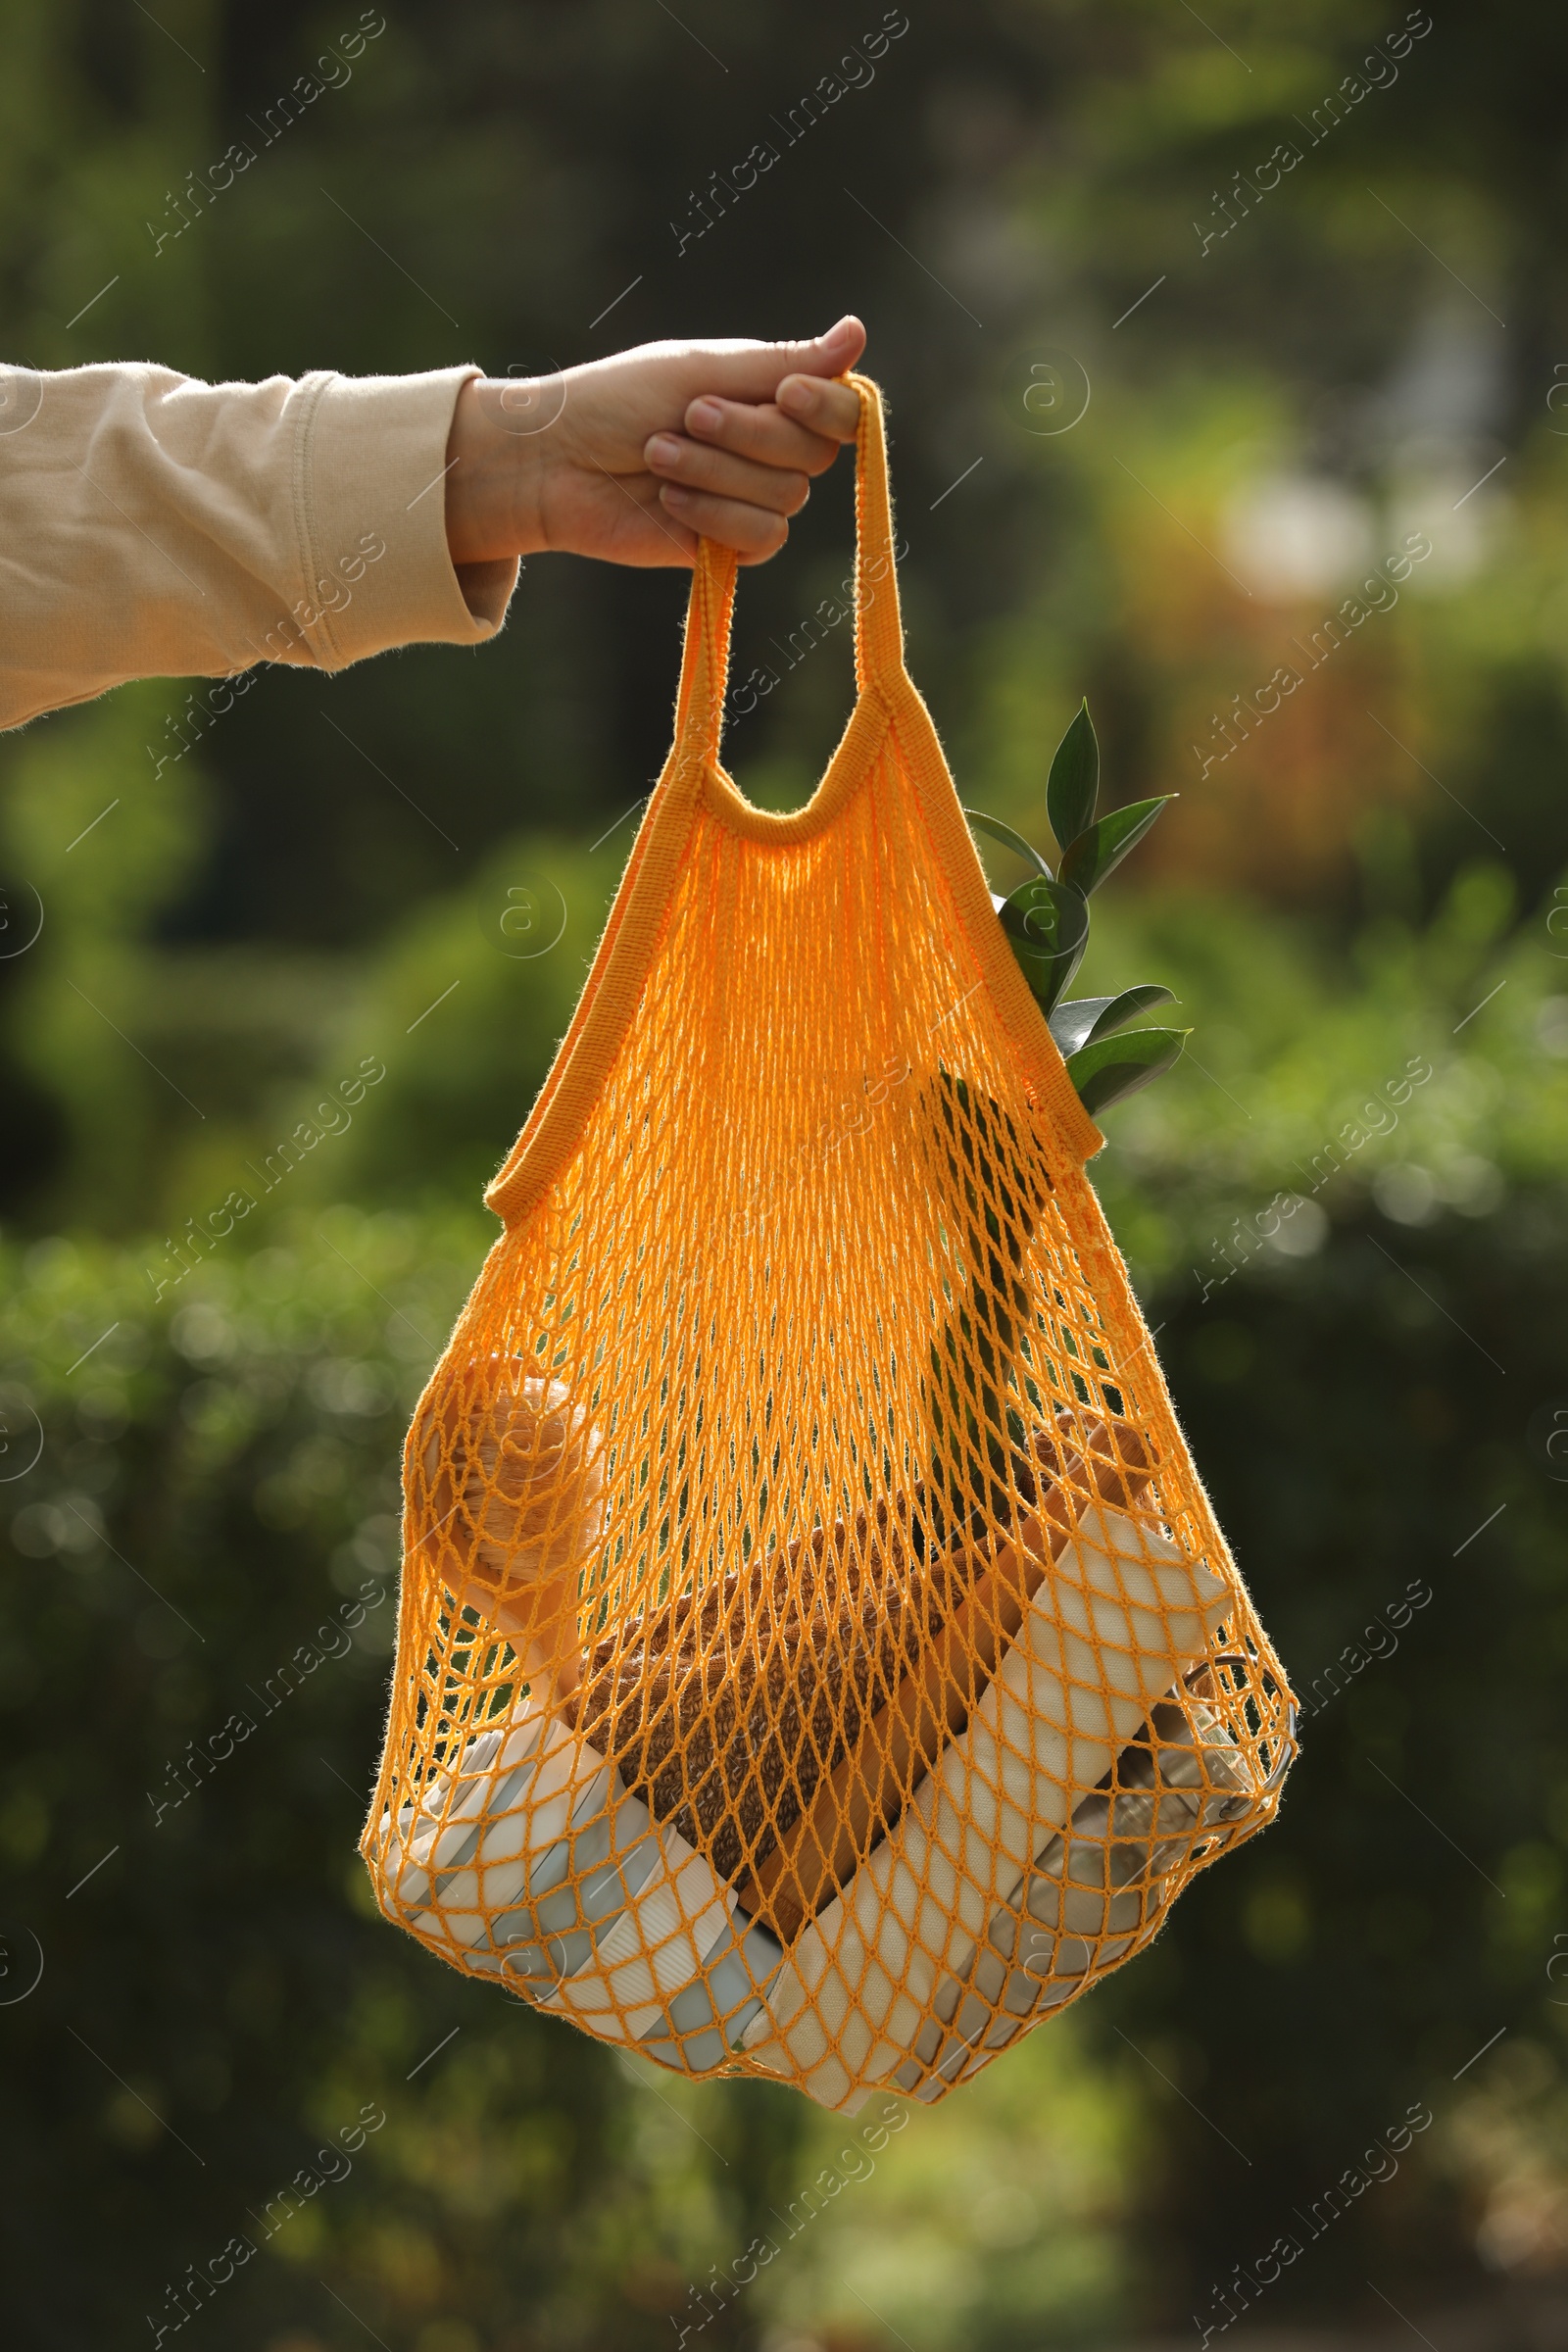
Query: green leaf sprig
x=1047, y=923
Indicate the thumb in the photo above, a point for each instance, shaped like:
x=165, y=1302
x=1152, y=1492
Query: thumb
x=829, y=354
x=754, y=371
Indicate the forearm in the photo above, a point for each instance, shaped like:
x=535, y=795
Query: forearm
x=154, y=527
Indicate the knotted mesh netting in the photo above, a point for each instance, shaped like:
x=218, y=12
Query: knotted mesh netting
x=816, y=1655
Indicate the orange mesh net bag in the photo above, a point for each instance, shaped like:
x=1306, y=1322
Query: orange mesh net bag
x=817, y=1653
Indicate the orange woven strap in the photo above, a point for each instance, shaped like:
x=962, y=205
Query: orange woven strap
x=878, y=626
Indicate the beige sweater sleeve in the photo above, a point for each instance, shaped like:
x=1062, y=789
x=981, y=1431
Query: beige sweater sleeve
x=154, y=527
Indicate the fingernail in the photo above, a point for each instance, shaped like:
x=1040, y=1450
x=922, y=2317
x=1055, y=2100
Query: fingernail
x=794, y=394
x=707, y=415
x=665, y=448
x=674, y=496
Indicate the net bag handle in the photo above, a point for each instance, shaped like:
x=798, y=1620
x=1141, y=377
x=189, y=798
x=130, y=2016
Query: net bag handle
x=887, y=703
x=878, y=622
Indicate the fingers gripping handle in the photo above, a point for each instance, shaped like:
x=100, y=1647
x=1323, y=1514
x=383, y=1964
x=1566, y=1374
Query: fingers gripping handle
x=878, y=627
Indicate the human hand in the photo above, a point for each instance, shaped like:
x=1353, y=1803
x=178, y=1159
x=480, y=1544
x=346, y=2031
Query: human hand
x=631, y=458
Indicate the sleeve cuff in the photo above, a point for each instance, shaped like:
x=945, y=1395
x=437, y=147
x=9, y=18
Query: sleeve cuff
x=370, y=502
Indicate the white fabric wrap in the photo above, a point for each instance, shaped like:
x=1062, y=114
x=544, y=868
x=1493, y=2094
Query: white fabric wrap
x=1123, y=1607
x=656, y=1946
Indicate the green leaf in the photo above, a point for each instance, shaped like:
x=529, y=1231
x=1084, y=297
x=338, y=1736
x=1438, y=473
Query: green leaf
x=1048, y=928
x=1074, y=782
x=1009, y=839
x=1092, y=855
x=1114, y=1066
x=1087, y=1018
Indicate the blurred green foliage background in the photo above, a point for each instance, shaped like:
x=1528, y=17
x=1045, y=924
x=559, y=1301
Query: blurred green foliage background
x=1157, y=414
